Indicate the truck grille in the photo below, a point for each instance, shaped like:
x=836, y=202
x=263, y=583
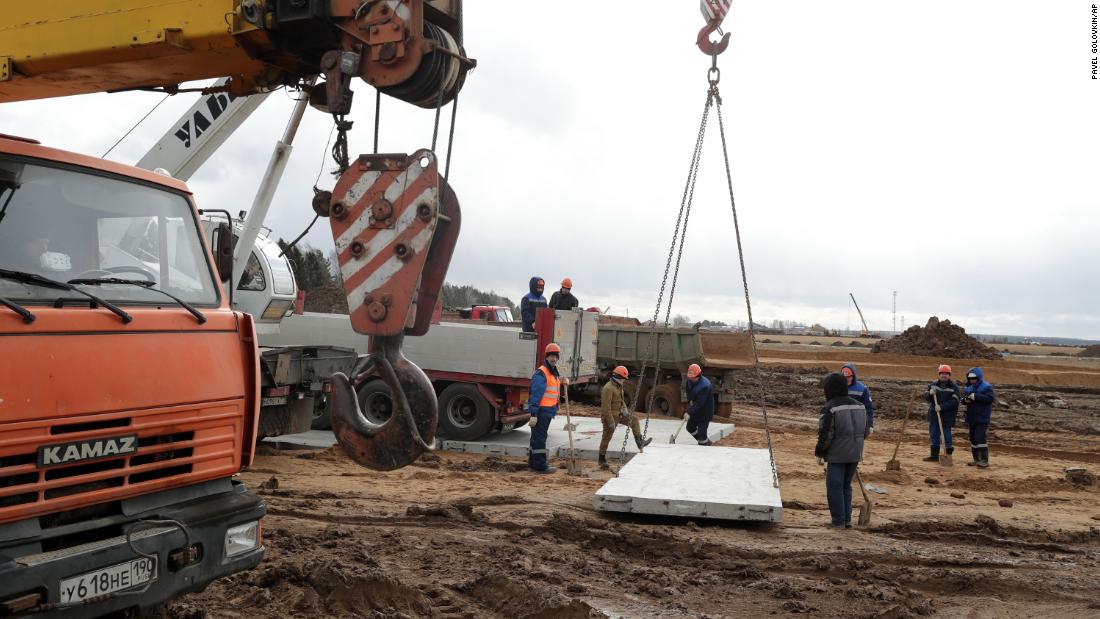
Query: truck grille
x=175, y=446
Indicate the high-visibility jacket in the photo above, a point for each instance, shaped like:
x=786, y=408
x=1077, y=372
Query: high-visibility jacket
x=552, y=395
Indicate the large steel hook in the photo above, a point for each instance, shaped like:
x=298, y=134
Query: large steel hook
x=708, y=47
x=410, y=429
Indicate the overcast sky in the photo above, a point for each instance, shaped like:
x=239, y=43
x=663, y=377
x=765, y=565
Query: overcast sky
x=946, y=150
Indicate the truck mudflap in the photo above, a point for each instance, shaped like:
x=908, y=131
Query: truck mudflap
x=165, y=551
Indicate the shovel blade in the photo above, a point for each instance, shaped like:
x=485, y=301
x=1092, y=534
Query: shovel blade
x=945, y=460
x=865, y=514
x=893, y=465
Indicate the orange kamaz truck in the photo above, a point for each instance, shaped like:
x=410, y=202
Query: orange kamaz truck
x=128, y=391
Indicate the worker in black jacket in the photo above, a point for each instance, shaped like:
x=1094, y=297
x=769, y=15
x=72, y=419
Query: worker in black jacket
x=564, y=299
x=842, y=427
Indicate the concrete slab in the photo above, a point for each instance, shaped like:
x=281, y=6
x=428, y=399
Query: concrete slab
x=723, y=483
x=586, y=439
x=314, y=439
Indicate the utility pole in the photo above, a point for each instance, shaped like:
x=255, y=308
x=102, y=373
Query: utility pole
x=895, y=311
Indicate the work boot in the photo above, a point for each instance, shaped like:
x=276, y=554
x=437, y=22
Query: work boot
x=974, y=453
x=545, y=471
x=984, y=462
x=603, y=462
x=950, y=450
x=933, y=455
x=642, y=442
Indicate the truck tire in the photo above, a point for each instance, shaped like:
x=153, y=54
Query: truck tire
x=376, y=401
x=665, y=400
x=628, y=394
x=464, y=414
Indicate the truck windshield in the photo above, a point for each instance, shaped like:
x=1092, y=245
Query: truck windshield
x=64, y=224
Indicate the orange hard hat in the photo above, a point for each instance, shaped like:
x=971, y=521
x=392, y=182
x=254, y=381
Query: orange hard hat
x=567, y=283
x=847, y=371
x=621, y=372
x=694, y=370
x=944, y=369
x=552, y=348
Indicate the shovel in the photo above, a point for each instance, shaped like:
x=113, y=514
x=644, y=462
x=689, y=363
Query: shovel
x=945, y=458
x=672, y=439
x=865, y=509
x=569, y=427
x=893, y=464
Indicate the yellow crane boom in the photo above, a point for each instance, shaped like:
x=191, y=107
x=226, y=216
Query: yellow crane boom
x=410, y=49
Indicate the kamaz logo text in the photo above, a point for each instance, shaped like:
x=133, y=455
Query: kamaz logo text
x=193, y=129
x=80, y=451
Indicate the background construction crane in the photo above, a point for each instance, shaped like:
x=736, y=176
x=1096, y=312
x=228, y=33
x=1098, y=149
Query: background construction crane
x=864, y=332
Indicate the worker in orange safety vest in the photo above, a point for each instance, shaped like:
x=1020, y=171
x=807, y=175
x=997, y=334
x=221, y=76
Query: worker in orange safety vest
x=542, y=404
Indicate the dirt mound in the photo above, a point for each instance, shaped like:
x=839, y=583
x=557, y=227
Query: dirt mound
x=937, y=338
x=1090, y=351
x=608, y=319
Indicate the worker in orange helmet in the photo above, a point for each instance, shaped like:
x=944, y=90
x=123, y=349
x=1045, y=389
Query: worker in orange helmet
x=700, y=395
x=945, y=392
x=542, y=404
x=613, y=411
x=564, y=299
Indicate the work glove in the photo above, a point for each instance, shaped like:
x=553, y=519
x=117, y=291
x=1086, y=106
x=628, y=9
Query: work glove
x=534, y=420
x=870, y=430
x=931, y=391
x=821, y=461
x=565, y=381
x=969, y=398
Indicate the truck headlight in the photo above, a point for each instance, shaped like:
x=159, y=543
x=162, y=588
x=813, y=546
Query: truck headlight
x=276, y=309
x=242, y=538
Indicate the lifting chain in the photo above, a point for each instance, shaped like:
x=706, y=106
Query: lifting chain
x=678, y=236
x=714, y=99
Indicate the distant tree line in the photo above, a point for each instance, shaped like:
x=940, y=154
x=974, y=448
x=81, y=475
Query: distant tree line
x=465, y=296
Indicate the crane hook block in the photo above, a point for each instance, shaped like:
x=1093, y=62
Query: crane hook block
x=395, y=224
x=708, y=47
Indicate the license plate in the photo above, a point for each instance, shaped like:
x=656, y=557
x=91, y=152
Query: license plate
x=108, y=580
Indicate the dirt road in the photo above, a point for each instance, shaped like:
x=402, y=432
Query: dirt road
x=472, y=536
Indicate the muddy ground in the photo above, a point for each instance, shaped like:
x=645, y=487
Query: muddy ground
x=472, y=536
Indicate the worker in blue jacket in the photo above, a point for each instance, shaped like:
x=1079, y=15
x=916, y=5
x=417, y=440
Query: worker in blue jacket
x=946, y=393
x=700, y=395
x=531, y=302
x=978, y=398
x=542, y=404
x=859, y=392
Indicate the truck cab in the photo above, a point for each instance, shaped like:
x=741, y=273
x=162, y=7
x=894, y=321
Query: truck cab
x=128, y=392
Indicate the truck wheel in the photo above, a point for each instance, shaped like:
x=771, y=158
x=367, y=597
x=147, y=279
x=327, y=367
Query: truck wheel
x=464, y=414
x=665, y=400
x=628, y=394
x=376, y=401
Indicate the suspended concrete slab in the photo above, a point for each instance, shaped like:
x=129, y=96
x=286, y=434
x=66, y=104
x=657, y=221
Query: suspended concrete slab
x=586, y=439
x=721, y=483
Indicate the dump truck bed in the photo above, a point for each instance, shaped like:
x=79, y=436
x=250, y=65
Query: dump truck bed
x=678, y=347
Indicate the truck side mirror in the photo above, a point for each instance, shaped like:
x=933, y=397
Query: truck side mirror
x=223, y=252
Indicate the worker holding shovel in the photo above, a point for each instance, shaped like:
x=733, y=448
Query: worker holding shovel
x=944, y=395
x=843, y=426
